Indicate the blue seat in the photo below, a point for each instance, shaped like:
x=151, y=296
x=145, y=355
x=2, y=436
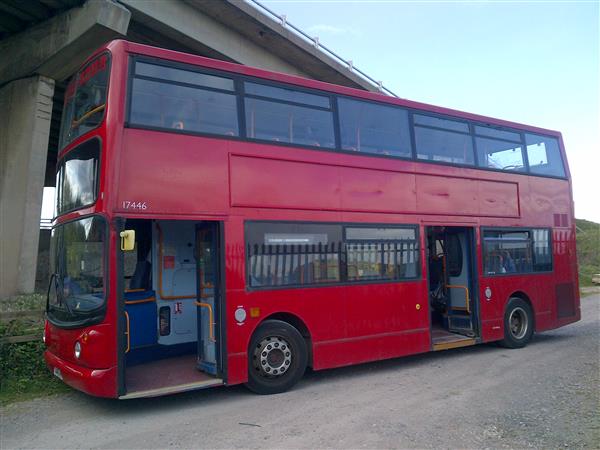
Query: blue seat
x=143, y=321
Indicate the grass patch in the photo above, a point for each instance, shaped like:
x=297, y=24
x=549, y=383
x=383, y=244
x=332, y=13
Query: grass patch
x=23, y=371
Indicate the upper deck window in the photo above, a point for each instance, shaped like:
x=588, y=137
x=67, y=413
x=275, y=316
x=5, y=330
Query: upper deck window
x=183, y=76
x=77, y=177
x=287, y=95
x=499, y=149
x=443, y=140
x=181, y=97
x=167, y=97
x=288, y=115
x=85, y=100
x=372, y=128
x=543, y=154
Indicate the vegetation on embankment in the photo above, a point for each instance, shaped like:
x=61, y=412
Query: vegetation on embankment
x=588, y=250
x=23, y=372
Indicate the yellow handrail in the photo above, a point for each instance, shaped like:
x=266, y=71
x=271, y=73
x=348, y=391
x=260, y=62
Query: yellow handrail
x=77, y=122
x=211, y=334
x=128, y=334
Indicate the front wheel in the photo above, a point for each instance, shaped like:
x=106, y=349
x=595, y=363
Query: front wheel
x=277, y=358
x=518, y=324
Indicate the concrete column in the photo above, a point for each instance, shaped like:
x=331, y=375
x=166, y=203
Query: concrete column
x=24, y=129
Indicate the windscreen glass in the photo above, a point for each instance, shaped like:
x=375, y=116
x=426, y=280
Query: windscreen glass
x=77, y=265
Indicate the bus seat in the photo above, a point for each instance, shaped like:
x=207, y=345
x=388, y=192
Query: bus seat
x=142, y=316
x=141, y=276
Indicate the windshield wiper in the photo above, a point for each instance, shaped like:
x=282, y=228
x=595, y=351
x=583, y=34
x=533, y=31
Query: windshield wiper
x=61, y=298
x=52, y=278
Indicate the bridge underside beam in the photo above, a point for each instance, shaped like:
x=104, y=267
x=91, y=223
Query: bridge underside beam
x=56, y=48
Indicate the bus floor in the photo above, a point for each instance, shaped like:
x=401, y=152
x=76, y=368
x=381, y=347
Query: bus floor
x=442, y=339
x=176, y=374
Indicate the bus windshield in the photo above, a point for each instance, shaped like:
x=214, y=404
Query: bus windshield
x=77, y=264
x=85, y=100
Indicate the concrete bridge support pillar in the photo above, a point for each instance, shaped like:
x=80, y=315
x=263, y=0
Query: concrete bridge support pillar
x=25, y=126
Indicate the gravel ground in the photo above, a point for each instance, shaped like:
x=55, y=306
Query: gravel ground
x=546, y=395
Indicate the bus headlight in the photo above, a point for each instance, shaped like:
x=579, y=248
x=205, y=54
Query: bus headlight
x=77, y=350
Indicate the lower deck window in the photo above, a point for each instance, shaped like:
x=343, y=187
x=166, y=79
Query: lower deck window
x=293, y=254
x=518, y=251
x=381, y=253
x=288, y=254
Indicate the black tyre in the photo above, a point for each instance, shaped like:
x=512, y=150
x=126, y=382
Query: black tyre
x=518, y=323
x=277, y=358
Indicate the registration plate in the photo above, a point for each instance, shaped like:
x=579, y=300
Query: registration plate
x=58, y=373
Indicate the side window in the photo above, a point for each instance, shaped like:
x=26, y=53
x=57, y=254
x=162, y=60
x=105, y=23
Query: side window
x=542, y=250
x=381, y=253
x=171, y=98
x=543, y=154
x=499, y=149
x=372, y=128
x=282, y=254
x=507, y=252
x=443, y=140
x=304, y=254
x=288, y=115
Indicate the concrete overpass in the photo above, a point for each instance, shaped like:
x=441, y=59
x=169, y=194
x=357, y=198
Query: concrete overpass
x=42, y=42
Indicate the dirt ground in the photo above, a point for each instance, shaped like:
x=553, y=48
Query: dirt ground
x=546, y=395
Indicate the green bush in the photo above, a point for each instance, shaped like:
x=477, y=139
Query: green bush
x=23, y=371
x=588, y=250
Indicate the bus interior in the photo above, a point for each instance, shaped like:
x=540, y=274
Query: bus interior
x=171, y=307
x=451, y=281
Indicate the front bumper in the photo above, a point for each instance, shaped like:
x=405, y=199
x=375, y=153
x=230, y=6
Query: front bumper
x=97, y=382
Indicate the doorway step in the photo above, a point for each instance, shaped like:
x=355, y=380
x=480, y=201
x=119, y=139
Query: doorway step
x=166, y=376
x=445, y=340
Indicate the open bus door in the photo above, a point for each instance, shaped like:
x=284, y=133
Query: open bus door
x=452, y=286
x=208, y=294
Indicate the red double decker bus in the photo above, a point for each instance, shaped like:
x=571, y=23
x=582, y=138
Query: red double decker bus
x=219, y=224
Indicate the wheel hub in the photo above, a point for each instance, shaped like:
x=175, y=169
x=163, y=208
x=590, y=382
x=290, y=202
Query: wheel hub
x=518, y=323
x=272, y=357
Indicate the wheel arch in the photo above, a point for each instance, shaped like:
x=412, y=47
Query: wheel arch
x=298, y=324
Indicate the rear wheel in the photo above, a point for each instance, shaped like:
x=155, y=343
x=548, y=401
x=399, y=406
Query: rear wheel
x=276, y=358
x=518, y=323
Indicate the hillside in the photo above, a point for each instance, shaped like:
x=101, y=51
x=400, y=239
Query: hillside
x=588, y=250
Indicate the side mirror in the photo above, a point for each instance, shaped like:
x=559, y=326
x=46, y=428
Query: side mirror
x=127, y=240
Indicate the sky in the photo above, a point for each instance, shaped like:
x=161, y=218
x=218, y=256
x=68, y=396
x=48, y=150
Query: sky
x=530, y=62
